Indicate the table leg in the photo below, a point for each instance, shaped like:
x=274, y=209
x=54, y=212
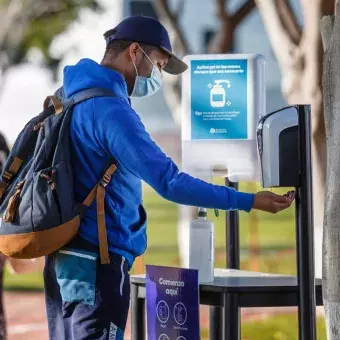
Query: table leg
x=231, y=317
x=137, y=315
x=216, y=314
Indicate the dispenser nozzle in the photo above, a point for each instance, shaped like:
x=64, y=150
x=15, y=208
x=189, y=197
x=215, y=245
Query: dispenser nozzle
x=202, y=212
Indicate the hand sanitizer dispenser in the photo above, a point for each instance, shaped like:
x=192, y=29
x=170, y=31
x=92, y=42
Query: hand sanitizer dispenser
x=223, y=97
x=277, y=141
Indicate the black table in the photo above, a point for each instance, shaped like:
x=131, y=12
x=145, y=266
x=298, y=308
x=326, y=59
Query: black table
x=247, y=289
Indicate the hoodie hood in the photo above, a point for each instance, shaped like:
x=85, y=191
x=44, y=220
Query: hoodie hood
x=88, y=74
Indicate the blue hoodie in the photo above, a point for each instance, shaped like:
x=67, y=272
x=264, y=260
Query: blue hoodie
x=102, y=128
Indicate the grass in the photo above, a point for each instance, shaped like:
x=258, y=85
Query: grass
x=278, y=327
x=281, y=327
x=23, y=282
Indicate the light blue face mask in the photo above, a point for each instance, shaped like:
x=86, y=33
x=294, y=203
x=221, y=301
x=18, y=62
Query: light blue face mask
x=147, y=86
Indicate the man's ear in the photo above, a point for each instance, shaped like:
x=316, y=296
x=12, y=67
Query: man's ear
x=133, y=52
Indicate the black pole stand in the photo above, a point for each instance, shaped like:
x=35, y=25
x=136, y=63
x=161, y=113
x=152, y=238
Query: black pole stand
x=305, y=231
x=232, y=234
x=232, y=311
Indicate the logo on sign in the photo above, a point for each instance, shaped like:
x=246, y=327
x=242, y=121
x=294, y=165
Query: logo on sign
x=162, y=311
x=163, y=337
x=180, y=313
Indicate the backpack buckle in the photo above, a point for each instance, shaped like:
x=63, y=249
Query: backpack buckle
x=105, y=180
x=8, y=174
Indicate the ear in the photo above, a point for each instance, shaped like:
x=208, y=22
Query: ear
x=133, y=52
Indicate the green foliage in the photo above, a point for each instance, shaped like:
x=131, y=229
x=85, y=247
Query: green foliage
x=42, y=30
x=280, y=327
x=38, y=23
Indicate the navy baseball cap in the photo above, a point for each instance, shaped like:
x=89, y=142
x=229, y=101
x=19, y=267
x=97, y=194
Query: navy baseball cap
x=146, y=30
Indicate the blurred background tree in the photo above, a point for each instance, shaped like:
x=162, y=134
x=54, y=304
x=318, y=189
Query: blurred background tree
x=35, y=23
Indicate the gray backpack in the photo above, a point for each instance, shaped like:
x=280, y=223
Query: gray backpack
x=38, y=210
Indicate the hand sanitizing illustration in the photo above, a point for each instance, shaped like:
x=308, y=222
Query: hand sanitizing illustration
x=218, y=94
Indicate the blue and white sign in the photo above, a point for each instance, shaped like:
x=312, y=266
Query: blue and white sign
x=219, y=99
x=172, y=296
x=223, y=98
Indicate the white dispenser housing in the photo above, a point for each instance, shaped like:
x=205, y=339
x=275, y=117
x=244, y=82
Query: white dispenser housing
x=277, y=138
x=223, y=98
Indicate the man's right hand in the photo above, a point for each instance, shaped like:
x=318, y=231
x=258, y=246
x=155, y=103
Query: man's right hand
x=273, y=203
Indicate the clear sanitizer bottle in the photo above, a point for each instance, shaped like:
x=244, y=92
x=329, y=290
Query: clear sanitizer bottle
x=201, y=246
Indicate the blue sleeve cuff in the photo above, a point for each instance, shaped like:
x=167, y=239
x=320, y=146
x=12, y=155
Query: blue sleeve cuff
x=244, y=201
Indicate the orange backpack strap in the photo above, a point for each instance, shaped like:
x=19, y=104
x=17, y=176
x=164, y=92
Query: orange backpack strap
x=9, y=174
x=3, y=187
x=56, y=102
x=98, y=192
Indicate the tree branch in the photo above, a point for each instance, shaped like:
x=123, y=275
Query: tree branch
x=221, y=7
x=281, y=42
x=9, y=16
x=289, y=20
x=243, y=12
x=166, y=15
x=172, y=92
x=327, y=7
x=222, y=40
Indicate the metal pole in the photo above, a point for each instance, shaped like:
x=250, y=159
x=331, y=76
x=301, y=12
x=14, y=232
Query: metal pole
x=216, y=321
x=232, y=234
x=305, y=231
x=137, y=315
x=231, y=308
x=231, y=329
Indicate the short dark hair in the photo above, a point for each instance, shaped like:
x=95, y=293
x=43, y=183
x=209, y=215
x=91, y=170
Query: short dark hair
x=115, y=47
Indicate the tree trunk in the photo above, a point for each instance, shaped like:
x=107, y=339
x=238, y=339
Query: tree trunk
x=331, y=238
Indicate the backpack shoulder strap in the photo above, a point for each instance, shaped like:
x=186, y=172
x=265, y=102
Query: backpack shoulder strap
x=58, y=100
x=91, y=93
x=104, y=181
x=98, y=193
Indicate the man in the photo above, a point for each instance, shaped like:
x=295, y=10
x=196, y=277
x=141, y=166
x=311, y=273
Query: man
x=87, y=300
